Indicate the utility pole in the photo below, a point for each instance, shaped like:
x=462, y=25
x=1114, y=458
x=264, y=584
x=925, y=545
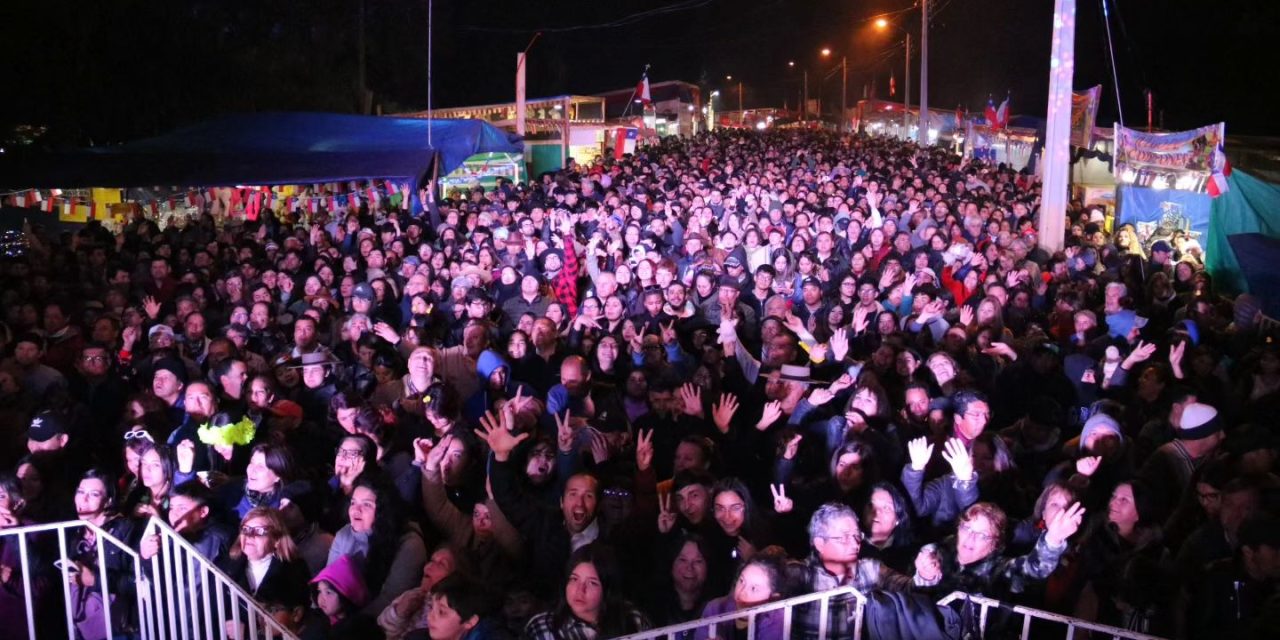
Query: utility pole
x=742, y=117
x=924, y=72
x=844, y=82
x=804, y=105
x=906, y=92
x=1057, y=144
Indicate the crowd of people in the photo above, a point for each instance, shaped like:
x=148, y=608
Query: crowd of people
x=721, y=371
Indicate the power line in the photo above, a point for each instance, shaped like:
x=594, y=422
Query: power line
x=612, y=24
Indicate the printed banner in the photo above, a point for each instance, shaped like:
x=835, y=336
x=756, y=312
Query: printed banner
x=1084, y=112
x=1157, y=213
x=1181, y=160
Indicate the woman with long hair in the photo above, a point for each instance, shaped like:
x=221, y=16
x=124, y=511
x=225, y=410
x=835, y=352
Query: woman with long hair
x=592, y=605
x=379, y=535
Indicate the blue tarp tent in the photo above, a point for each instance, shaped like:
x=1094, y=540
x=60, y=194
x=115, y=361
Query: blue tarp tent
x=268, y=148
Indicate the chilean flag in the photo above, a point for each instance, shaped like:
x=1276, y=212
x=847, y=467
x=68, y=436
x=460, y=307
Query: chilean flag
x=998, y=118
x=1221, y=170
x=642, y=91
x=625, y=142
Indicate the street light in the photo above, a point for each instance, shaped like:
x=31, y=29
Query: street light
x=728, y=77
x=791, y=63
x=883, y=24
x=844, y=82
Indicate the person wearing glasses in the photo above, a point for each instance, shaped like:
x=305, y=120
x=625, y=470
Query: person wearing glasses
x=264, y=561
x=94, y=384
x=972, y=561
x=836, y=562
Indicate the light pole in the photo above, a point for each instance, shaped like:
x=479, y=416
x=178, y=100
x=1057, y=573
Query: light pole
x=883, y=24
x=924, y=72
x=844, y=82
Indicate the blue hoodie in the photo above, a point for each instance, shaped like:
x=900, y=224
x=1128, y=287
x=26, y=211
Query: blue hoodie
x=480, y=402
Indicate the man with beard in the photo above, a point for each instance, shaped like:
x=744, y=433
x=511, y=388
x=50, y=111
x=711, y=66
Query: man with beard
x=550, y=535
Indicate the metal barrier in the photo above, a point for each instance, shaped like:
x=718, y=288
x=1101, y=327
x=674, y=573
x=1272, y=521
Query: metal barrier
x=821, y=599
x=178, y=593
x=30, y=562
x=1028, y=614
x=195, y=599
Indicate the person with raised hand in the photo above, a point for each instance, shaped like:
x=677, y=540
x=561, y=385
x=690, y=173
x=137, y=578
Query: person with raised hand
x=549, y=534
x=942, y=499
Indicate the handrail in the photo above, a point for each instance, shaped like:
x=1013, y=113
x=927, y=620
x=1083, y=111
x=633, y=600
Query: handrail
x=1029, y=613
x=787, y=606
x=101, y=536
x=181, y=559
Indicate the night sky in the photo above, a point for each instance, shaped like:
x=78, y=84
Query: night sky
x=104, y=72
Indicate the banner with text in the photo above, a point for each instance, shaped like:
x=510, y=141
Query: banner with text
x=1181, y=160
x=1084, y=112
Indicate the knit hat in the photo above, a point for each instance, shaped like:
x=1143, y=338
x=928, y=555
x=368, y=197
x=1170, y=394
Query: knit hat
x=172, y=365
x=1199, y=421
x=341, y=574
x=1097, y=424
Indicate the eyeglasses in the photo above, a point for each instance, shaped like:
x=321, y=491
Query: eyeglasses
x=845, y=538
x=978, y=415
x=138, y=434
x=733, y=508
x=350, y=454
x=255, y=532
x=94, y=358
x=980, y=536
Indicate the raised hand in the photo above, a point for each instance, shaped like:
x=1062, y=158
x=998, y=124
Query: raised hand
x=820, y=397
x=644, y=450
x=861, y=320
x=499, y=436
x=1175, y=358
x=920, y=452
x=928, y=566
x=691, y=399
x=1064, y=524
x=772, y=411
x=958, y=457
x=666, y=516
x=386, y=332
x=1139, y=354
x=151, y=306
x=421, y=450
x=1087, y=465
x=781, y=503
x=669, y=333
x=599, y=447
x=723, y=411
x=839, y=344
x=793, y=447
x=564, y=433
x=1001, y=349
x=966, y=315
x=186, y=454
x=818, y=353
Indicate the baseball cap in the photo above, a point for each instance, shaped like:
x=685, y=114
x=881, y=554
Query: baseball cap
x=160, y=329
x=364, y=291
x=45, y=425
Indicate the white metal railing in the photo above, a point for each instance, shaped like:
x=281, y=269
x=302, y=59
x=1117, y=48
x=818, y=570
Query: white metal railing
x=820, y=599
x=1028, y=614
x=102, y=541
x=195, y=599
x=823, y=600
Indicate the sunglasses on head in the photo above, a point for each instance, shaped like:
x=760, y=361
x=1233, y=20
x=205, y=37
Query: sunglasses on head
x=138, y=434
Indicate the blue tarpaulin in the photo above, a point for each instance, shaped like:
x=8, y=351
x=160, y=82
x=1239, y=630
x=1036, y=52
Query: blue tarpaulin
x=266, y=149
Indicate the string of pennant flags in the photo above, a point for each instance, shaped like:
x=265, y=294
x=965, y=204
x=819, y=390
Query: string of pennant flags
x=252, y=201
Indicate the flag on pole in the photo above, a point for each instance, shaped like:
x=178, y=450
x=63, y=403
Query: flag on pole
x=625, y=142
x=959, y=117
x=1221, y=170
x=642, y=90
x=893, y=85
x=1002, y=114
